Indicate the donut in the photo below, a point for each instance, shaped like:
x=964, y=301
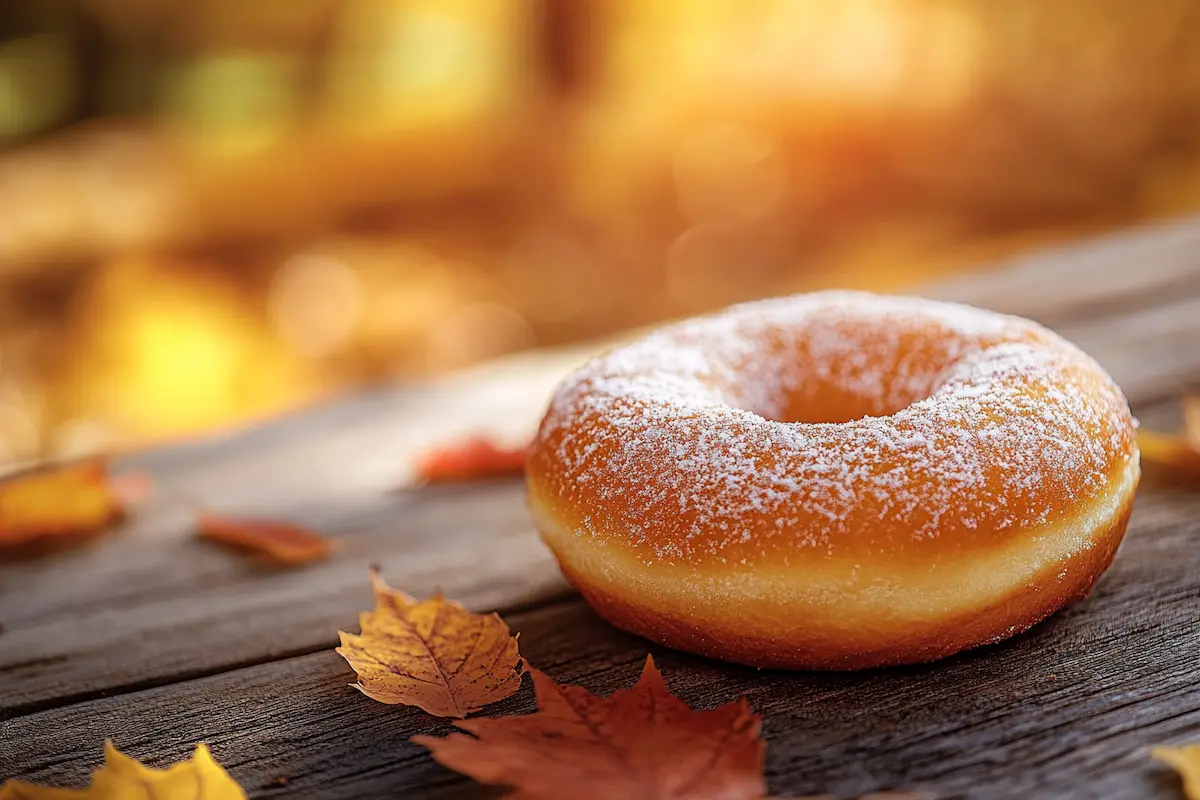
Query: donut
x=835, y=480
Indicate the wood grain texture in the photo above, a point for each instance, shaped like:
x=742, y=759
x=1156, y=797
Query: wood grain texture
x=1111, y=273
x=152, y=603
x=1066, y=710
x=158, y=640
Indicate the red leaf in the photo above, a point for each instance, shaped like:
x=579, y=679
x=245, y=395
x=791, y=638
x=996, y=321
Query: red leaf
x=641, y=742
x=476, y=458
x=281, y=542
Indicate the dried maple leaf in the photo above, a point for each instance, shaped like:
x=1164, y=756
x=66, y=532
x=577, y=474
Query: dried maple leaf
x=68, y=502
x=1186, y=761
x=433, y=654
x=640, y=742
x=280, y=542
x=476, y=458
x=125, y=778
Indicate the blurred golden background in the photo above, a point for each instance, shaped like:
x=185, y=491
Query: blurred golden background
x=218, y=210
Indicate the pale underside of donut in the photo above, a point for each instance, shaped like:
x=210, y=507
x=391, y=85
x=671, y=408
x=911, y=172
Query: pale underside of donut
x=847, y=615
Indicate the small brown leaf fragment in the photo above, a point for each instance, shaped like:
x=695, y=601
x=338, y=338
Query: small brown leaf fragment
x=476, y=458
x=1186, y=761
x=125, y=778
x=433, y=654
x=1177, y=454
x=65, y=503
x=640, y=742
x=280, y=542
x=1171, y=453
x=1191, y=422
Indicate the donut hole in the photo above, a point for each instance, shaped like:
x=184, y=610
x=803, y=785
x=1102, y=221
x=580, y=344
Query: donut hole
x=834, y=404
x=844, y=370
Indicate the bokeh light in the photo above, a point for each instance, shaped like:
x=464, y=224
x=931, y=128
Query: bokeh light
x=220, y=210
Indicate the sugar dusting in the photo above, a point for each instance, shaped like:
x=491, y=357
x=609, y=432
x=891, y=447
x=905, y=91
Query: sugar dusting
x=981, y=424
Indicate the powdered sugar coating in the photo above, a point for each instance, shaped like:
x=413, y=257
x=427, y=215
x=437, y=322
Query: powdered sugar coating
x=963, y=426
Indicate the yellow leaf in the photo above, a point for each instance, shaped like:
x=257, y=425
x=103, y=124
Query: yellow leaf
x=66, y=502
x=125, y=778
x=432, y=654
x=1186, y=761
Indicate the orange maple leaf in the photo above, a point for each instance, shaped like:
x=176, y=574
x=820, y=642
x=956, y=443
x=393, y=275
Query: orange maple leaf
x=1186, y=761
x=432, y=654
x=65, y=503
x=125, y=778
x=640, y=742
x=475, y=458
x=280, y=542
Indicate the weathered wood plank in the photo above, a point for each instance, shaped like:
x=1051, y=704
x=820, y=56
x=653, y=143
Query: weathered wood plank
x=1066, y=710
x=153, y=604
x=1119, y=271
x=148, y=605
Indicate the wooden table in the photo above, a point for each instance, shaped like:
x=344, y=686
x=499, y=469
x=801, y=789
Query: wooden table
x=158, y=641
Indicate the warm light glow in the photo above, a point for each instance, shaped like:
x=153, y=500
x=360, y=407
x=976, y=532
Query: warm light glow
x=279, y=200
x=177, y=350
x=478, y=331
x=81, y=437
x=235, y=103
x=405, y=64
x=315, y=303
x=18, y=433
x=728, y=170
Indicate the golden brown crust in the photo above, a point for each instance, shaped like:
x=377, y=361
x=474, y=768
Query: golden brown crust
x=684, y=511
